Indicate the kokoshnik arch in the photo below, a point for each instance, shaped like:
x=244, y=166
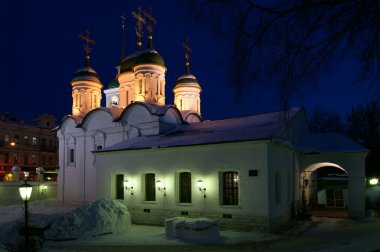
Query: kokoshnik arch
x=165, y=160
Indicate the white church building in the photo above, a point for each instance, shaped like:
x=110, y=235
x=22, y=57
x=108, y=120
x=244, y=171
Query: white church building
x=164, y=160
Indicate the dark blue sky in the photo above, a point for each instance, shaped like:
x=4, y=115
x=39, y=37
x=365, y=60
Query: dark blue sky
x=40, y=50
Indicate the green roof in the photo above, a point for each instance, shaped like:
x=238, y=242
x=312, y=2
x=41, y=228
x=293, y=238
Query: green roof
x=150, y=57
x=128, y=64
x=113, y=84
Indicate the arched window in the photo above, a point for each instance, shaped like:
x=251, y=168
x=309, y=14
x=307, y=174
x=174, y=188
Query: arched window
x=185, y=187
x=150, y=187
x=230, y=188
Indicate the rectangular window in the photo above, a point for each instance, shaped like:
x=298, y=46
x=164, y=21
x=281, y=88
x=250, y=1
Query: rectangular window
x=17, y=138
x=43, y=143
x=277, y=185
x=150, y=187
x=185, y=187
x=71, y=155
x=50, y=160
x=34, y=159
x=50, y=143
x=26, y=140
x=43, y=159
x=6, y=138
x=34, y=141
x=6, y=157
x=230, y=188
x=15, y=158
x=26, y=161
x=119, y=186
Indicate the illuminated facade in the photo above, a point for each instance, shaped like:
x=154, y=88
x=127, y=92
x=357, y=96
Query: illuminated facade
x=28, y=145
x=155, y=156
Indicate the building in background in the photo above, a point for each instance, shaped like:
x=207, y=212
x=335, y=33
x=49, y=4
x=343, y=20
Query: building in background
x=28, y=145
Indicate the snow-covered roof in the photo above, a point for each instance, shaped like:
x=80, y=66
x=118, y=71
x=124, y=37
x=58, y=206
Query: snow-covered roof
x=208, y=132
x=327, y=143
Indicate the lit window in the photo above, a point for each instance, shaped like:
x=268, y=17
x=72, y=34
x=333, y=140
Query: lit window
x=185, y=187
x=150, y=187
x=6, y=138
x=34, y=160
x=26, y=140
x=34, y=141
x=230, y=188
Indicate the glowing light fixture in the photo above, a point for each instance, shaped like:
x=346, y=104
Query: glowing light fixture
x=373, y=181
x=12, y=144
x=25, y=191
x=201, y=187
x=128, y=186
x=160, y=187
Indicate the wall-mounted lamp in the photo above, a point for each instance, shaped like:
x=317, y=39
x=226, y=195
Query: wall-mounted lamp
x=306, y=182
x=373, y=181
x=128, y=186
x=161, y=187
x=43, y=188
x=201, y=187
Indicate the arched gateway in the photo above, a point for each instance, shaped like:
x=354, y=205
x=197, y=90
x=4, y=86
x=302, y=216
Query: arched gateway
x=333, y=181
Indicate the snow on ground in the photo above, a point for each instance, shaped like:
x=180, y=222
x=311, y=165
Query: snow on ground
x=317, y=234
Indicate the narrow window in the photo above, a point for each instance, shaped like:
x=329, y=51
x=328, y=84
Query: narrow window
x=50, y=160
x=140, y=86
x=6, y=138
x=185, y=187
x=180, y=104
x=150, y=187
x=43, y=143
x=26, y=161
x=119, y=186
x=34, y=160
x=50, y=143
x=6, y=157
x=277, y=184
x=71, y=155
x=230, y=188
x=15, y=158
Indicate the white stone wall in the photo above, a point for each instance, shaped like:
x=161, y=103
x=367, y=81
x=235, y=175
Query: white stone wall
x=204, y=162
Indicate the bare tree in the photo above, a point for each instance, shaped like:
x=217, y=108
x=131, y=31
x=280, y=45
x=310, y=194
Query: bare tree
x=323, y=120
x=289, y=43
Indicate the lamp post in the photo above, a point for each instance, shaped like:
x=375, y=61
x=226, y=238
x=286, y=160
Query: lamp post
x=25, y=193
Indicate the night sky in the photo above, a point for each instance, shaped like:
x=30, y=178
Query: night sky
x=40, y=50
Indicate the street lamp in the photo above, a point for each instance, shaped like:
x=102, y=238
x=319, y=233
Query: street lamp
x=25, y=193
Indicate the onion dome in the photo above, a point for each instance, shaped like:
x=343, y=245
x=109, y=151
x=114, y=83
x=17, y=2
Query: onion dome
x=129, y=62
x=187, y=80
x=113, y=84
x=86, y=74
x=150, y=56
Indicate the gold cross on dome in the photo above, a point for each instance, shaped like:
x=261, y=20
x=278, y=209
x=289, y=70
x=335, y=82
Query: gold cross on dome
x=140, y=21
x=87, y=42
x=186, y=45
x=151, y=20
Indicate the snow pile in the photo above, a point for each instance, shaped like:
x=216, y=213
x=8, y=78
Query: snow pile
x=199, y=230
x=95, y=219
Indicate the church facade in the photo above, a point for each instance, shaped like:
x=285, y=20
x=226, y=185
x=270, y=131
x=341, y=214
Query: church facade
x=165, y=160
